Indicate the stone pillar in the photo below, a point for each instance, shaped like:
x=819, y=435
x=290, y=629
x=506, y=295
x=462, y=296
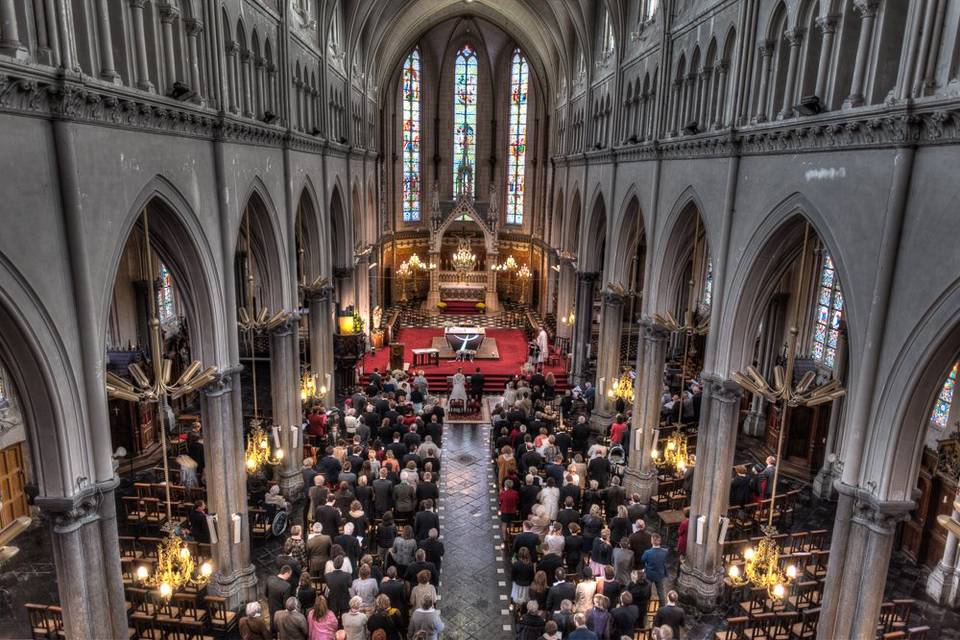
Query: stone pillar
x=641, y=474
x=168, y=13
x=108, y=69
x=433, y=294
x=271, y=85
x=675, y=108
x=234, y=576
x=824, y=480
x=490, y=297
x=245, y=82
x=321, y=343
x=795, y=39
x=565, y=286
x=140, y=45
x=860, y=550
x=261, y=96
x=10, y=44
x=721, y=71
x=361, y=280
x=766, y=52
x=828, y=27
x=702, y=571
x=608, y=357
x=583, y=324
x=232, y=50
x=868, y=17
x=83, y=532
x=287, y=413
x=706, y=90
x=942, y=583
x=194, y=29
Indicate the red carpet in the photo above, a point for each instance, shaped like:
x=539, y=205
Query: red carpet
x=460, y=307
x=512, y=344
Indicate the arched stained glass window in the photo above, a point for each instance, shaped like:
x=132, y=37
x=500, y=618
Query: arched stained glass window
x=941, y=409
x=708, y=285
x=517, y=149
x=826, y=330
x=411, y=137
x=165, y=308
x=464, y=120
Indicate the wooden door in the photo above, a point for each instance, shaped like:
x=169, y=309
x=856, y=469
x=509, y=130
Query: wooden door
x=14, y=500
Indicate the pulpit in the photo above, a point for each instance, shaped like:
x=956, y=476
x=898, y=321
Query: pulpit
x=396, y=356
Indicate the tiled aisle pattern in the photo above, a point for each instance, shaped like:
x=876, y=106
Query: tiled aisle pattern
x=473, y=587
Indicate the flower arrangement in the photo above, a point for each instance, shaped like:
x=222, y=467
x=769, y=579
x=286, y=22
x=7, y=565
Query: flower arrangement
x=441, y=305
x=481, y=307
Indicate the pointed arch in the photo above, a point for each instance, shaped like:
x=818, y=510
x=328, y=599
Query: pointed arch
x=572, y=226
x=672, y=262
x=632, y=234
x=593, y=235
x=341, y=248
x=310, y=254
x=267, y=246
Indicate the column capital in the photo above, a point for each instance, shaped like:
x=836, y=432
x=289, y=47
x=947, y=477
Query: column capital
x=722, y=66
x=168, y=12
x=318, y=294
x=722, y=389
x=866, y=8
x=233, y=48
x=288, y=325
x=69, y=513
x=137, y=4
x=612, y=297
x=194, y=26
x=271, y=68
x=222, y=383
x=258, y=61
x=827, y=24
x=873, y=512
x=652, y=331
x=765, y=47
x=794, y=36
x=588, y=276
x=245, y=56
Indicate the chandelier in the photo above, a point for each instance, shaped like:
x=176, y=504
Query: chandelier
x=463, y=259
x=258, y=448
x=176, y=567
x=622, y=388
x=409, y=269
x=507, y=266
x=674, y=452
x=762, y=565
x=308, y=387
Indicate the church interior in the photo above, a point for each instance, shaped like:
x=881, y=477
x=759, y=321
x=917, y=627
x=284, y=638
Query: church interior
x=520, y=319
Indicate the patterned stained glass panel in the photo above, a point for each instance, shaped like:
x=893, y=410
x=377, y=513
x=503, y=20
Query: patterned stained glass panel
x=411, y=137
x=464, y=118
x=941, y=409
x=165, y=308
x=826, y=330
x=517, y=148
x=708, y=285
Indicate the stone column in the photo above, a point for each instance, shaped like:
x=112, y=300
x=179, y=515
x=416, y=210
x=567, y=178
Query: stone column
x=245, y=80
x=261, y=96
x=942, y=582
x=583, y=324
x=234, y=576
x=766, y=52
x=860, y=550
x=721, y=71
x=703, y=118
x=271, y=86
x=828, y=27
x=287, y=413
x=321, y=343
x=10, y=44
x=701, y=574
x=608, y=356
x=298, y=104
x=361, y=280
x=108, y=69
x=641, y=474
x=491, y=299
x=83, y=532
x=794, y=39
x=565, y=286
x=232, y=50
x=674, y=113
x=824, y=480
x=868, y=17
x=168, y=13
x=140, y=45
x=194, y=29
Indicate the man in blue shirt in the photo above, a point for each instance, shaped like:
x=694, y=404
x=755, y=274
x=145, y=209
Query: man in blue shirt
x=655, y=565
x=581, y=632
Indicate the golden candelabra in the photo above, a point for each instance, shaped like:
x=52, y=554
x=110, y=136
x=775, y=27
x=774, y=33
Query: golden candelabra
x=463, y=258
x=622, y=389
x=409, y=269
x=762, y=565
x=176, y=567
x=259, y=452
x=674, y=452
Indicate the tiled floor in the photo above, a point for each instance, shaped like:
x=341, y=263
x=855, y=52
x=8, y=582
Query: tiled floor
x=472, y=592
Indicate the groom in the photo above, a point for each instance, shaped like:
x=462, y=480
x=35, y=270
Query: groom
x=476, y=385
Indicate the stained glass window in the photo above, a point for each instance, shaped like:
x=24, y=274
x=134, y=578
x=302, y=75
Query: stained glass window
x=165, y=308
x=648, y=9
x=608, y=43
x=829, y=302
x=411, y=137
x=464, y=119
x=708, y=285
x=517, y=150
x=941, y=410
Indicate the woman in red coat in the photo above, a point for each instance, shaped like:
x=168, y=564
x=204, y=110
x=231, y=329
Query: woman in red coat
x=509, y=505
x=682, y=537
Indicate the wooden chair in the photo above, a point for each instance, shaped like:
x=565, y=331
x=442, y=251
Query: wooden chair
x=222, y=620
x=918, y=633
x=901, y=614
x=804, y=595
x=798, y=541
x=145, y=626
x=782, y=626
x=56, y=617
x=132, y=511
x=155, y=513
x=128, y=547
x=806, y=628
x=259, y=523
x=40, y=623
x=756, y=601
x=818, y=540
x=817, y=569
x=188, y=606
x=759, y=625
x=735, y=629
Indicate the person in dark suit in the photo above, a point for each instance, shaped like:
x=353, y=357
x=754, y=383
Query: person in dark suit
x=420, y=564
x=670, y=614
x=338, y=583
x=395, y=589
x=425, y=520
x=529, y=493
x=528, y=539
x=198, y=522
x=625, y=616
x=433, y=548
x=382, y=494
x=476, y=385
x=560, y=590
x=279, y=589
x=329, y=516
x=639, y=542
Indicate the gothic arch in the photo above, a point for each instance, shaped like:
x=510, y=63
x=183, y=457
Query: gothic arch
x=632, y=232
x=593, y=236
x=572, y=224
x=556, y=222
x=267, y=245
x=675, y=251
x=341, y=249
x=310, y=232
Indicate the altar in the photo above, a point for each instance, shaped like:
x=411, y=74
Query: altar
x=464, y=338
x=462, y=291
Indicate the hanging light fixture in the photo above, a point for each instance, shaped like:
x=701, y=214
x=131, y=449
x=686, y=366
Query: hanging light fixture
x=675, y=454
x=308, y=386
x=762, y=564
x=622, y=388
x=409, y=269
x=259, y=453
x=463, y=259
x=176, y=567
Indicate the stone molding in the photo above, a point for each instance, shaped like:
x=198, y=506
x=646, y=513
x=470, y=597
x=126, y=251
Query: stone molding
x=878, y=515
x=69, y=513
x=722, y=389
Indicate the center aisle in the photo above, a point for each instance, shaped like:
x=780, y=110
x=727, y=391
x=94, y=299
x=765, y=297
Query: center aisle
x=472, y=602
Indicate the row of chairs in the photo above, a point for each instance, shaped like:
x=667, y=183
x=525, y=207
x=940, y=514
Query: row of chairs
x=790, y=543
x=747, y=520
x=186, y=616
x=781, y=625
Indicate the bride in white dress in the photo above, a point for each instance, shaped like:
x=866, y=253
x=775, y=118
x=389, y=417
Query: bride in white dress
x=459, y=391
